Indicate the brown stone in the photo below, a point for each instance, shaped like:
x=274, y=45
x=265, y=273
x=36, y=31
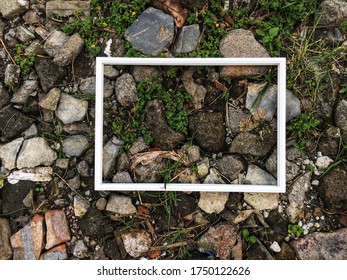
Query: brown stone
x=57, y=228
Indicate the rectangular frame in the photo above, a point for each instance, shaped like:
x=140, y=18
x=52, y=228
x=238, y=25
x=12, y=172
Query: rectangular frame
x=281, y=123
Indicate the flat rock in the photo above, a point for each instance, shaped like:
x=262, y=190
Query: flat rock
x=69, y=51
x=71, y=109
x=22, y=94
x=50, y=100
x=11, y=8
x=236, y=116
x=12, y=74
x=187, y=39
x=151, y=32
x=122, y=177
x=34, y=152
x=4, y=97
x=214, y=177
x=246, y=143
x=80, y=206
x=120, y=205
x=126, y=92
x=57, y=228
x=156, y=124
x=110, y=72
x=332, y=189
x=136, y=243
x=67, y=8
x=75, y=145
x=138, y=146
x=36, y=174
x=28, y=243
x=50, y=75
x=332, y=12
x=8, y=153
x=213, y=202
x=150, y=173
x=5, y=235
x=109, y=156
x=322, y=246
x=241, y=43
x=293, y=105
x=258, y=251
x=262, y=201
x=219, y=240
x=230, y=166
x=55, y=254
x=95, y=224
x=54, y=42
x=257, y=176
x=87, y=85
x=111, y=250
x=296, y=196
x=209, y=130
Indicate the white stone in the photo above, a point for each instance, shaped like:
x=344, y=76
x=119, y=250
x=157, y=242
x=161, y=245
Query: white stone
x=275, y=247
x=136, y=243
x=257, y=176
x=323, y=162
x=213, y=202
x=262, y=201
x=80, y=205
x=120, y=205
x=37, y=174
x=71, y=109
x=8, y=153
x=315, y=183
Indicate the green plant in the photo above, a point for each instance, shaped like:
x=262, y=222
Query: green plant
x=343, y=89
x=343, y=25
x=248, y=237
x=295, y=230
x=25, y=61
x=300, y=145
x=302, y=125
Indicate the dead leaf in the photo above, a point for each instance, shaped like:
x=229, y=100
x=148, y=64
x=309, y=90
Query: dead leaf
x=174, y=8
x=120, y=246
x=237, y=250
x=154, y=254
x=143, y=210
x=220, y=86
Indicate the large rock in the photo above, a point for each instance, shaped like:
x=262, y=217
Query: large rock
x=262, y=201
x=109, y=156
x=125, y=89
x=332, y=189
x=236, y=116
x=322, y=246
x=230, y=166
x=209, y=131
x=120, y=205
x=34, y=152
x=136, y=243
x=156, y=124
x=54, y=42
x=257, y=176
x=71, y=109
x=69, y=51
x=149, y=173
x=252, y=144
x=57, y=228
x=187, y=39
x=11, y=8
x=332, y=12
x=21, y=96
x=241, y=43
x=5, y=234
x=50, y=74
x=213, y=202
x=51, y=99
x=151, y=32
x=95, y=224
x=75, y=145
x=8, y=153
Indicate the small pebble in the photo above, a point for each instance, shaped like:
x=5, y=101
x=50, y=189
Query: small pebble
x=275, y=247
x=266, y=214
x=319, y=154
x=317, y=225
x=315, y=183
x=280, y=209
x=305, y=231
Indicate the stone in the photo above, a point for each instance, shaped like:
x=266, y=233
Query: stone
x=136, y=243
x=214, y=177
x=80, y=249
x=219, y=240
x=28, y=243
x=11, y=8
x=198, y=92
x=150, y=173
x=188, y=177
x=80, y=206
x=193, y=153
x=120, y=205
x=50, y=75
x=123, y=162
x=101, y=204
x=340, y=117
x=8, y=153
x=50, y=100
x=286, y=253
x=12, y=74
x=209, y=130
x=257, y=176
x=203, y=167
x=126, y=92
x=114, y=46
x=111, y=250
x=2, y=29
x=323, y=162
x=69, y=51
x=95, y=224
x=332, y=189
x=24, y=35
x=109, y=156
x=30, y=132
x=293, y=105
x=22, y=94
x=213, y=202
x=296, y=197
x=151, y=32
x=236, y=116
x=83, y=168
x=87, y=85
x=5, y=235
x=138, y=146
x=31, y=17
x=71, y=109
x=37, y=174
x=322, y=246
x=258, y=251
x=230, y=166
x=77, y=128
x=141, y=73
x=13, y=196
x=57, y=228
x=262, y=201
x=55, y=254
x=187, y=39
x=110, y=72
x=122, y=177
x=67, y=9
x=332, y=12
x=275, y=247
x=4, y=97
x=34, y=152
x=156, y=124
x=75, y=182
x=246, y=143
x=75, y=145
x=241, y=43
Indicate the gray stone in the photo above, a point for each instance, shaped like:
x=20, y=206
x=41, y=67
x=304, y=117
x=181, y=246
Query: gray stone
x=293, y=153
x=101, y=204
x=136, y=243
x=50, y=75
x=193, y=153
x=241, y=43
x=80, y=206
x=156, y=124
x=258, y=251
x=108, y=88
x=71, y=109
x=87, y=85
x=151, y=32
x=213, y=202
x=340, y=117
x=22, y=94
x=13, y=122
x=77, y=128
x=141, y=73
x=54, y=42
x=51, y=99
x=293, y=106
x=69, y=51
x=332, y=189
x=123, y=162
x=150, y=173
x=34, y=152
x=80, y=249
x=252, y=144
x=323, y=162
x=75, y=182
x=55, y=254
x=214, y=177
x=257, y=176
x=62, y=163
x=262, y=201
x=120, y=205
x=95, y=224
x=138, y=146
x=75, y=145
x=30, y=132
x=35, y=47
x=24, y=35
x=8, y=153
x=125, y=89
x=5, y=234
x=122, y=177
x=109, y=155
x=292, y=169
x=11, y=8
x=111, y=249
x=31, y=17
x=209, y=130
x=236, y=116
x=83, y=168
x=4, y=97
x=230, y=166
x=219, y=240
x=67, y=8
x=332, y=12
x=187, y=39
x=325, y=101
x=296, y=197
x=12, y=74
x=322, y=246
x=110, y=72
